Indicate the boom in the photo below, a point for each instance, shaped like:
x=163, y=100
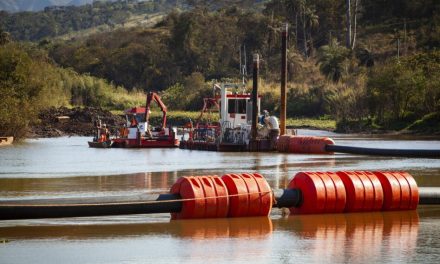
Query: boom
x=154, y=96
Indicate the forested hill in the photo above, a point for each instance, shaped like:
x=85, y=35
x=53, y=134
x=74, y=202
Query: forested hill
x=39, y=5
x=385, y=73
x=368, y=64
x=76, y=15
x=56, y=21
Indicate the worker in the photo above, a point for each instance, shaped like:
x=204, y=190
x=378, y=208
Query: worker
x=261, y=118
x=133, y=122
x=105, y=135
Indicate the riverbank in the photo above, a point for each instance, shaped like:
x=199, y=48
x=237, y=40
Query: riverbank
x=56, y=122
x=428, y=125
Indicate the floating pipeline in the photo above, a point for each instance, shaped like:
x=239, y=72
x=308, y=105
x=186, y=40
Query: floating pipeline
x=325, y=145
x=248, y=195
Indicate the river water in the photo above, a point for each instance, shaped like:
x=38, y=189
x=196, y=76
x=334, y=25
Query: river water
x=66, y=167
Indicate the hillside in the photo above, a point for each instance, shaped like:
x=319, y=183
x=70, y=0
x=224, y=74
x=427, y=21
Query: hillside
x=31, y=82
x=53, y=22
x=13, y=6
x=369, y=83
x=375, y=69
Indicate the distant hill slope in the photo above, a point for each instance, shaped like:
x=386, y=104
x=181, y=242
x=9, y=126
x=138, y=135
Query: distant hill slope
x=27, y=5
x=38, y=5
x=54, y=22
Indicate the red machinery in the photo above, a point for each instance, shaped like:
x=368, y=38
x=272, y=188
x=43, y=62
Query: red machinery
x=138, y=133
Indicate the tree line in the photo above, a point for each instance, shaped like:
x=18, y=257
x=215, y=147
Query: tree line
x=59, y=20
x=30, y=81
x=372, y=63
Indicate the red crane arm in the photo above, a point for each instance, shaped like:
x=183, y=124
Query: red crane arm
x=208, y=103
x=155, y=97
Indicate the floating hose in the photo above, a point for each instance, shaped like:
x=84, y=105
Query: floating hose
x=413, y=153
x=247, y=195
x=325, y=145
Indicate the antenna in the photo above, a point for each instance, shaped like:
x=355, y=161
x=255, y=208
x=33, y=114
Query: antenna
x=244, y=71
x=241, y=65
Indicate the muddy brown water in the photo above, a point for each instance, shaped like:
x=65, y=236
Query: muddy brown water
x=66, y=167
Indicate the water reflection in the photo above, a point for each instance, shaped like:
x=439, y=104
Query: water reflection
x=70, y=157
x=126, y=184
x=200, y=229
x=251, y=227
x=351, y=238
x=358, y=237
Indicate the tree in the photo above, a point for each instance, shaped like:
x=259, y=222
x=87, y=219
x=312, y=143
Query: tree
x=332, y=59
x=5, y=37
x=351, y=23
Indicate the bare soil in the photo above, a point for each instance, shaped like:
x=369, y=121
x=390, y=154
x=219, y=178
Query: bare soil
x=56, y=122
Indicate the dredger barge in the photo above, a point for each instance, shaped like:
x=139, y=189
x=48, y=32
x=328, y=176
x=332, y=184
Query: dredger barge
x=137, y=132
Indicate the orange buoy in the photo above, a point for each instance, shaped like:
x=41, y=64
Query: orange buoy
x=340, y=193
x=377, y=190
x=355, y=191
x=188, y=188
x=207, y=197
x=266, y=195
x=283, y=143
x=310, y=145
x=400, y=191
x=414, y=190
x=239, y=203
x=322, y=193
x=250, y=195
x=364, y=191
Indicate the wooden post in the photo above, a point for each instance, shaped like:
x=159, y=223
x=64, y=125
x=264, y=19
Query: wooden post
x=255, y=97
x=283, y=79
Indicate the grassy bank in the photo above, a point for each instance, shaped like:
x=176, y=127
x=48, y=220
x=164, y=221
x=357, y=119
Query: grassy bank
x=178, y=118
x=427, y=125
x=322, y=124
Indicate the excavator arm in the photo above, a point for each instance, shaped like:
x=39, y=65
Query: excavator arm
x=208, y=103
x=151, y=96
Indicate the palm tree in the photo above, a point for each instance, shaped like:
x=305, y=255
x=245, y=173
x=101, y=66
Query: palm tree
x=5, y=37
x=332, y=59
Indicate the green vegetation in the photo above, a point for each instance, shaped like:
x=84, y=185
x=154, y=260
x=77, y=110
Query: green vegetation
x=158, y=58
x=315, y=123
x=29, y=82
x=376, y=69
x=56, y=21
x=180, y=118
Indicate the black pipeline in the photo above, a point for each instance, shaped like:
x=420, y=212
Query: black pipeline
x=325, y=145
x=413, y=153
x=150, y=204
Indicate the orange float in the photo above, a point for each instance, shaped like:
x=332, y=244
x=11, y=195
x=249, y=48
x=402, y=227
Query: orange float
x=364, y=191
x=283, y=143
x=310, y=145
x=322, y=192
x=400, y=191
x=340, y=193
x=249, y=195
x=377, y=190
x=203, y=197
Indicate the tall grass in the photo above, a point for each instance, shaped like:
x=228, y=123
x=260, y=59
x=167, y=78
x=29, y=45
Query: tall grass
x=179, y=118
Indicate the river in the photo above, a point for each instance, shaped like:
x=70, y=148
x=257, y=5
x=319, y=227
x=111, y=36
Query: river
x=66, y=167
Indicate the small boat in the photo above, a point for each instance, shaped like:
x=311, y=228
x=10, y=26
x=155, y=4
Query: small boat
x=6, y=141
x=138, y=133
x=102, y=144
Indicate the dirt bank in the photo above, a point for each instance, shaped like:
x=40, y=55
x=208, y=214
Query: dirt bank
x=55, y=122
